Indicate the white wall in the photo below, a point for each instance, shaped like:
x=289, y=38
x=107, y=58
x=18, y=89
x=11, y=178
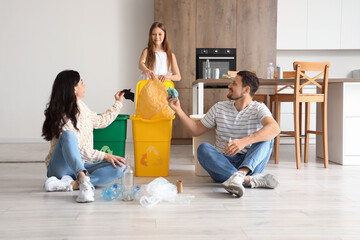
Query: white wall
x=39, y=38
x=343, y=62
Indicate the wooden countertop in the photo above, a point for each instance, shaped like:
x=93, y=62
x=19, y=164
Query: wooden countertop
x=268, y=82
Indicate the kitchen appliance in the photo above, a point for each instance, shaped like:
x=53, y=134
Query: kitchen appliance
x=222, y=58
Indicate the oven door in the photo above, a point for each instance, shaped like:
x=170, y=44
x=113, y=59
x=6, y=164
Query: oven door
x=223, y=63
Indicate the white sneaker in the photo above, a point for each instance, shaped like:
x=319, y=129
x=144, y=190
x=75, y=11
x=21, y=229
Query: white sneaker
x=261, y=181
x=53, y=184
x=86, y=193
x=235, y=184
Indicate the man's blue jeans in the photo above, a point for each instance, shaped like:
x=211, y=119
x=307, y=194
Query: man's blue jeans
x=66, y=160
x=221, y=166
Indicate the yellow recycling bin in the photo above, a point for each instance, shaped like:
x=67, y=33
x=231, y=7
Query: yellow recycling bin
x=152, y=140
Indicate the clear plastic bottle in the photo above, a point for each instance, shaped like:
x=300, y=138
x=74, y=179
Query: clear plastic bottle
x=111, y=192
x=127, y=184
x=207, y=69
x=270, y=71
x=279, y=72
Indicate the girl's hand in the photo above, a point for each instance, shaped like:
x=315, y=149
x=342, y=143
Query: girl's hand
x=149, y=74
x=162, y=78
x=119, y=96
x=114, y=159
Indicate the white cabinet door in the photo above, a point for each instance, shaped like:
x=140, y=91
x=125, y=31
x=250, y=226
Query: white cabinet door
x=292, y=24
x=350, y=25
x=324, y=24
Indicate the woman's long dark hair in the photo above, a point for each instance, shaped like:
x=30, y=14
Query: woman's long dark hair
x=150, y=58
x=62, y=105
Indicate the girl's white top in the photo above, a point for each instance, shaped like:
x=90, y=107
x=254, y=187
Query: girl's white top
x=160, y=66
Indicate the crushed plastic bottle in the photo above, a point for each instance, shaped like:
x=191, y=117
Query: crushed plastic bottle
x=111, y=192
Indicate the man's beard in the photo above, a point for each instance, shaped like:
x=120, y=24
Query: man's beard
x=234, y=98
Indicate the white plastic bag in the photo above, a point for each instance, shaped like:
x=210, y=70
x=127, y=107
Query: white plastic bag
x=160, y=190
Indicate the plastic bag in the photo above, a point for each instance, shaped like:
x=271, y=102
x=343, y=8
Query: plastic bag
x=161, y=190
x=152, y=101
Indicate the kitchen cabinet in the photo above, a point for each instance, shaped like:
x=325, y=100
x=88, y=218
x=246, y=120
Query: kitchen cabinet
x=292, y=24
x=256, y=35
x=343, y=122
x=350, y=30
x=324, y=24
x=318, y=24
x=216, y=23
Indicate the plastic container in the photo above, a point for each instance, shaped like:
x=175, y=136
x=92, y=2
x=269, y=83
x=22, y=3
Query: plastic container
x=152, y=140
x=112, y=138
x=270, y=71
x=111, y=192
x=208, y=137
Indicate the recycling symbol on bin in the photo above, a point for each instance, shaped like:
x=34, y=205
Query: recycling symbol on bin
x=106, y=149
x=151, y=157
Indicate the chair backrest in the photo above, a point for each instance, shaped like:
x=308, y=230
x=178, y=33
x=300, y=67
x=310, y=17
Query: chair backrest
x=286, y=75
x=308, y=67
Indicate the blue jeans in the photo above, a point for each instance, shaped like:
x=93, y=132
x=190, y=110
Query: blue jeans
x=66, y=160
x=221, y=166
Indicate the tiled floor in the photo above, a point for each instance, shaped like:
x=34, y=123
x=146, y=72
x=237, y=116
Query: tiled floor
x=310, y=203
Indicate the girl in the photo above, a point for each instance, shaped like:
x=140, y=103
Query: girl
x=158, y=59
x=69, y=127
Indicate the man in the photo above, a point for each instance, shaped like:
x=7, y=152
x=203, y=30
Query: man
x=245, y=131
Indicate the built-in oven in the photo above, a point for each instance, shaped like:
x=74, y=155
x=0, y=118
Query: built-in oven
x=223, y=59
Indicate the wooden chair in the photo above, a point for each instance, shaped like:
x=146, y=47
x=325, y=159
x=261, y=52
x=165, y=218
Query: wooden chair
x=257, y=97
x=298, y=97
x=286, y=75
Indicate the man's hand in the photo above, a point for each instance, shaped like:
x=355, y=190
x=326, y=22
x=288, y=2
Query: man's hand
x=174, y=104
x=235, y=146
x=114, y=159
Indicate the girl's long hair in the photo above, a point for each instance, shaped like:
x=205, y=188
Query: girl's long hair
x=62, y=105
x=150, y=58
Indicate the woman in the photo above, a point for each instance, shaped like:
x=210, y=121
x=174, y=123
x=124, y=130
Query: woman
x=69, y=127
x=158, y=59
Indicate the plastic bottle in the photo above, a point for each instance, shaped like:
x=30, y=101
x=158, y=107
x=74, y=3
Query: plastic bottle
x=111, y=192
x=270, y=71
x=207, y=69
x=127, y=184
x=279, y=72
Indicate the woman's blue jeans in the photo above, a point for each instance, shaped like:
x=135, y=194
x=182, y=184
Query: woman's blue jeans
x=221, y=166
x=66, y=160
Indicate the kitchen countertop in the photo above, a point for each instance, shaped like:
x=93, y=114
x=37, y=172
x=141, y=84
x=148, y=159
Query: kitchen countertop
x=264, y=81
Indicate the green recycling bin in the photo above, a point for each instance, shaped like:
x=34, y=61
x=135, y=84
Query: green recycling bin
x=112, y=138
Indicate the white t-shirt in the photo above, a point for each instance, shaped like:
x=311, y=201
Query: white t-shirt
x=232, y=124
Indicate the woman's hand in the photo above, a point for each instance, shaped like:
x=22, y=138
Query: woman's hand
x=119, y=96
x=114, y=159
